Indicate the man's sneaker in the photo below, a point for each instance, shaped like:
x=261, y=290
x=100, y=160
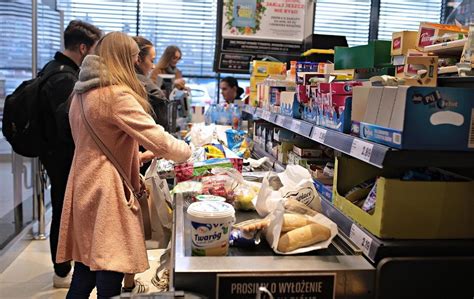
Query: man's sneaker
x=62, y=282
x=139, y=288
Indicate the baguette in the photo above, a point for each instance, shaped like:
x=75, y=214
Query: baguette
x=293, y=221
x=303, y=236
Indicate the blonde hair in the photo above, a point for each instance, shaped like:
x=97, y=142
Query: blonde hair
x=165, y=61
x=116, y=51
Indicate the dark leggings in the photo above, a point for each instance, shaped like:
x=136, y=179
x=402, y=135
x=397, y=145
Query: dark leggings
x=108, y=283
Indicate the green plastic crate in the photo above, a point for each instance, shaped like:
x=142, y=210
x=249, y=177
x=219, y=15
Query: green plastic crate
x=376, y=54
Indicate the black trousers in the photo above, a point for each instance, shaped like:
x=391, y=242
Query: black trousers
x=57, y=167
x=108, y=283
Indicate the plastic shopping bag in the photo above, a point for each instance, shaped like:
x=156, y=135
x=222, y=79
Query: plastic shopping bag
x=295, y=182
x=160, y=202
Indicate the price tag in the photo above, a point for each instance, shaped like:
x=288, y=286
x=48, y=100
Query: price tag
x=319, y=134
x=361, y=239
x=295, y=125
x=280, y=120
x=266, y=115
x=361, y=149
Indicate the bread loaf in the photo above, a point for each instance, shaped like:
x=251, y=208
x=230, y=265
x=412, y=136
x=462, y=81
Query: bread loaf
x=293, y=221
x=303, y=236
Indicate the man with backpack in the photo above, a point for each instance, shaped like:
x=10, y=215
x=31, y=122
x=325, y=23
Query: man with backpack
x=80, y=39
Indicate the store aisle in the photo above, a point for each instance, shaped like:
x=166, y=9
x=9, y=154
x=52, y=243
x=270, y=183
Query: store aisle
x=30, y=275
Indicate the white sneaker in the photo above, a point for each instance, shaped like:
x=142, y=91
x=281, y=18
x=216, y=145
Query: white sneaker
x=62, y=282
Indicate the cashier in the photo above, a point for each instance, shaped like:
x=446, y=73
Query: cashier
x=230, y=89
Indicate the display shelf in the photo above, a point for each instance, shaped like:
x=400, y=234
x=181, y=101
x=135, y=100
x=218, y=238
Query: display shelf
x=369, y=152
x=259, y=152
x=453, y=48
x=376, y=249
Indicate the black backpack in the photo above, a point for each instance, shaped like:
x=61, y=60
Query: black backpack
x=21, y=124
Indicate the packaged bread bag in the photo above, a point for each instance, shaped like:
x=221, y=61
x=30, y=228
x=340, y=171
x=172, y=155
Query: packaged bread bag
x=293, y=230
x=293, y=183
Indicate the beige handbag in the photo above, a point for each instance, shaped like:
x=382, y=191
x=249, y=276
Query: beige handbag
x=141, y=195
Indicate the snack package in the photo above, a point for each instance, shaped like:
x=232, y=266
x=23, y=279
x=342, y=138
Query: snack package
x=214, y=151
x=220, y=185
x=234, y=137
x=187, y=171
x=239, y=238
x=290, y=233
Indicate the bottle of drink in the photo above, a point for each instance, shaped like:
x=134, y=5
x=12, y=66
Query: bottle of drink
x=213, y=114
x=236, y=115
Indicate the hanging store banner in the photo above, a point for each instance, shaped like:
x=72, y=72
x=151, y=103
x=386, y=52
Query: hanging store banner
x=250, y=28
x=264, y=19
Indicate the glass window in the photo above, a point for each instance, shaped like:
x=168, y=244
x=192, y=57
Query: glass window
x=108, y=15
x=350, y=18
x=400, y=15
x=188, y=24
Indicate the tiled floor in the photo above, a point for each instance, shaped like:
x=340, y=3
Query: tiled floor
x=30, y=275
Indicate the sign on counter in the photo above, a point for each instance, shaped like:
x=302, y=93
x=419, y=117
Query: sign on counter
x=280, y=285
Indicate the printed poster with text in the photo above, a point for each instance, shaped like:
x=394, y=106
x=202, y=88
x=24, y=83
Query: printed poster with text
x=264, y=19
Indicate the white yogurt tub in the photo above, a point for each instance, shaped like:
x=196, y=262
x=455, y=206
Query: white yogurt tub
x=210, y=198
x=211, y=222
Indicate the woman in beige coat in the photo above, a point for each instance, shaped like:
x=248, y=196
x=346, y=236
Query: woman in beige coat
x=99, y=231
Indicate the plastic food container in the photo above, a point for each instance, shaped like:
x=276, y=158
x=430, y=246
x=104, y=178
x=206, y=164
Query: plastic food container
x=211, y=222
x=205, y=197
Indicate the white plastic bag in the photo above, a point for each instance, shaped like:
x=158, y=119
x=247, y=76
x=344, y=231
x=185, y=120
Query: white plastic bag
x=296, y=183
x=202, y=134
x=161, y=213
x=272, y=233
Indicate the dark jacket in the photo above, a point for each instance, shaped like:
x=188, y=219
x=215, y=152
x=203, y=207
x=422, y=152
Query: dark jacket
x=157, y=99
x=54, y=95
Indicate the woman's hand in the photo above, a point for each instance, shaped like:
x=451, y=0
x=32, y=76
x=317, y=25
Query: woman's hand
x=145, y=157
x=180, y=83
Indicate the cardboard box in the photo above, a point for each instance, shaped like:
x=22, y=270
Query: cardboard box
x=400, y=71
x=254, y=80
x=340, y=88
x=422, y=118
x=307, y=152
x=402, y=41
x=360, y=96
x=428, y=31
x=415, y=64
x=267, y=68
x=387, y=102
x=325, y=191
x=289, y=104
x=407, y=209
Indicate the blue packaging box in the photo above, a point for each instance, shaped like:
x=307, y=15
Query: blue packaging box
x=324, y=190
x=422, y=118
